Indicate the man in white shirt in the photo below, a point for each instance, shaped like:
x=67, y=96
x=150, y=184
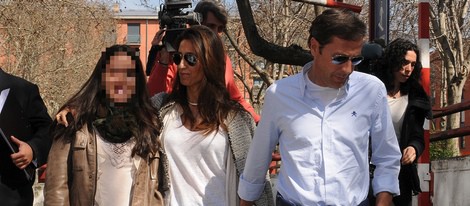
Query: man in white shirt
x=322, y=119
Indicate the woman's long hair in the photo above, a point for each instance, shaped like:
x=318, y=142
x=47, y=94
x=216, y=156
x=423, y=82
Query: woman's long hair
x=92, y=96
x=393, y=60
x=214, y=103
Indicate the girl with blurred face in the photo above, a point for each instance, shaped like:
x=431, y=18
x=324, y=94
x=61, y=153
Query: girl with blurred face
x=119, y=78
x=109, y=153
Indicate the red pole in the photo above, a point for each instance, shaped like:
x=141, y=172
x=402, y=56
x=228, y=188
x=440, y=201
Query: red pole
x=424, y=198
x=337, y=4
x=334, y=4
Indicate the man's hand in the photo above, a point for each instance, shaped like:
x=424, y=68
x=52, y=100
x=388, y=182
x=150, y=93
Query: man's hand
x=157, y=39
x=409, y=155
x=24, y=156
x=245, y=203
x=384, y=199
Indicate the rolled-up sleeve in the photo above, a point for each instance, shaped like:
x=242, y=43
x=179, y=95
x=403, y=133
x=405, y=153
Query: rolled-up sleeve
x=266, y=137
x=386, y=153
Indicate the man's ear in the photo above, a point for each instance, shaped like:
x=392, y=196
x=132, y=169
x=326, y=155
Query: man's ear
x=314, y=45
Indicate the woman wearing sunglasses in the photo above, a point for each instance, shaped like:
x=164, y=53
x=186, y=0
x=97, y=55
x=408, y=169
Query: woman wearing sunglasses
x=409, y=105
x=205, y=134
x=110, y=153
x=163, y=70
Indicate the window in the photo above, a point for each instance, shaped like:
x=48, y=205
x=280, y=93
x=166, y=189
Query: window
x=133, y=33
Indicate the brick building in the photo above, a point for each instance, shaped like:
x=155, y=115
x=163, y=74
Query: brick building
x=136, y=28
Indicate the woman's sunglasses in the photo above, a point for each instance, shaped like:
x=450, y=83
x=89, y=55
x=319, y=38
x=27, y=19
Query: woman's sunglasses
x=189, y=57
x=341, y=59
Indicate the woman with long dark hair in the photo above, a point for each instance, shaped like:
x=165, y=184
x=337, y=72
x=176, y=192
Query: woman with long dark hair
x=109, y=154
x=205, y=134
x=400, y=71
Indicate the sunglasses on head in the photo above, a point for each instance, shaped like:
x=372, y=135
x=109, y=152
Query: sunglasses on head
x=188, y=57
x=341, y=59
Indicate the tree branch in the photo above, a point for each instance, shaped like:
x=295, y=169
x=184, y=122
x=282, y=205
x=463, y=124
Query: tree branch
x=261, y=47
x=263, y=74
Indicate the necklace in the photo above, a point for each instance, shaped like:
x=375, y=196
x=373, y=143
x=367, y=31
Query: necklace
x=192, y=103
x=393, y=94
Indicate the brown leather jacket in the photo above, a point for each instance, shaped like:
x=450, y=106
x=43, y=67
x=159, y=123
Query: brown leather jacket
x=72, y=168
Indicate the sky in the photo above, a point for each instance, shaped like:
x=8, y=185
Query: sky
x=135, y=4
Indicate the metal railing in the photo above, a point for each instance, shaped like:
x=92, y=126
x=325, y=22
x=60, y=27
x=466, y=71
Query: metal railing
x=452, y=133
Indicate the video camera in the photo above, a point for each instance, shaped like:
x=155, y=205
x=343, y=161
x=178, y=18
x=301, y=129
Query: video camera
x=175, y=20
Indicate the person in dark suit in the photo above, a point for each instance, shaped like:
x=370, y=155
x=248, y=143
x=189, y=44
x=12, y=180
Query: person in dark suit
x=24, y=119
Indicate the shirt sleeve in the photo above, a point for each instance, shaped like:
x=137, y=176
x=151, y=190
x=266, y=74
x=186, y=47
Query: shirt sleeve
x=266, y=137
x=234, y=92
x=161, y=78
x=40, y=122
x=151, y=59
x=386, y=153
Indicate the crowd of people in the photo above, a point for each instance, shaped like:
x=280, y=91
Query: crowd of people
x=186, y=136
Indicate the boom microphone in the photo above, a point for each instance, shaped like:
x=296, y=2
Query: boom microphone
x=372, y=51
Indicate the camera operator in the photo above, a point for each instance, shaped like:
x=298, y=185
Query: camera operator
x=164, y=71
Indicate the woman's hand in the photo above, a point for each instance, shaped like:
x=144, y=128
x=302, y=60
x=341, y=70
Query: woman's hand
x=409, y=155
x=61, y=117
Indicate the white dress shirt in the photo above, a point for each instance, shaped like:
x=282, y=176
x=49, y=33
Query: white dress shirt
x=324, y=149
x=3, y=98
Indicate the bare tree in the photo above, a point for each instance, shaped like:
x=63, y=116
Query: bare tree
x=450, y=31
x=279, y=22
x=269, y=50
x=54, y=44
x=403, y=20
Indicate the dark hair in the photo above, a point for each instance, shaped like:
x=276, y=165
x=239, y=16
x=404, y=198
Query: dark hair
x=214, y=101
x=205, y=6
x=92, y=96
x=394, y=59
x=341, y=23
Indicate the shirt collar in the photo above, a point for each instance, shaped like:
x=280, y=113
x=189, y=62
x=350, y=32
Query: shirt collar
x=303, y=84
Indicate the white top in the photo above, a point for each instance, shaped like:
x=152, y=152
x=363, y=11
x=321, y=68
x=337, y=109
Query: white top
x=398, y=108
x=324, y=151
x=197, y=164
x=116, y=169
